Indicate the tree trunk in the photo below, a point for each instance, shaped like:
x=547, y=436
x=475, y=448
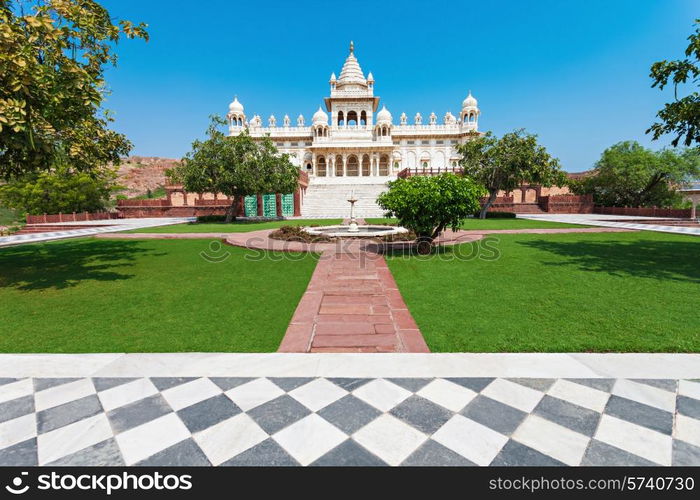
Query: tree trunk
x=424, y=245
x=231, y=212
x=487, y=205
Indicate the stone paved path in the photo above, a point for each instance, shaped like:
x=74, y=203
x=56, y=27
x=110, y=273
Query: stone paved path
x=201, y=421
x=88, y=228
x=615, y=221
x=352, y=304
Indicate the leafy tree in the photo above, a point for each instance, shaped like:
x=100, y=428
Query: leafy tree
x=236, y=166
x=60, y=190
x=629, y=175
x=53, y=55
x=429, y=205
x=682, y=116
x=506, y=163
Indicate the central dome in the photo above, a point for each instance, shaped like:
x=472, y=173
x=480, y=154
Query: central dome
x=351, y=72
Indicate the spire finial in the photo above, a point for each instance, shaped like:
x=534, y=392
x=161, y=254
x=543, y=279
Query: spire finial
x=352, y=47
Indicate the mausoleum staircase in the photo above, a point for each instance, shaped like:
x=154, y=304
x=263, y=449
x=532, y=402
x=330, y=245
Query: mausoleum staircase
x=327, y=197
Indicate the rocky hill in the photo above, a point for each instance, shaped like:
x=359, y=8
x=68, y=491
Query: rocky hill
x=141, y=173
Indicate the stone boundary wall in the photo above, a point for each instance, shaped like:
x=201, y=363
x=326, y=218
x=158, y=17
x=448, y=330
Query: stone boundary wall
x=684, y=213
x=567, y=204
x=72, y=217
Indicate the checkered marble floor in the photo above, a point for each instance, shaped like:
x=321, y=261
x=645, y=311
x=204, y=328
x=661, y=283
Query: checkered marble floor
x=349, y=421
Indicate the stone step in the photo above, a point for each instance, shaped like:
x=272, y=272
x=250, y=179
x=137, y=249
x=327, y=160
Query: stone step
x=330, y=199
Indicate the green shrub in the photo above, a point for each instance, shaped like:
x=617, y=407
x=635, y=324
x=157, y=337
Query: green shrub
x=429, y=205
x=496, y=215
x=211, y=218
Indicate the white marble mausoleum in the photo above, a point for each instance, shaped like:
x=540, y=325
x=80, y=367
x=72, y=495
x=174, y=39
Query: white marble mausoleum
x=352, y=137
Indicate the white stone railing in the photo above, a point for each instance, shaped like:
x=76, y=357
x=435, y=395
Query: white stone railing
x=282, y=132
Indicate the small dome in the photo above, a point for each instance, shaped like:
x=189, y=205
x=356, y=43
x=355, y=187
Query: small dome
x=320, y=117
x=370, y=77
x=235, y=106
x=384, y=115
x=333, y=78
x=469, y=102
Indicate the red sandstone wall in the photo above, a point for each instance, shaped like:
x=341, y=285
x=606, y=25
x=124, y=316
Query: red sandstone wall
x=72, y=217
x=644, y=211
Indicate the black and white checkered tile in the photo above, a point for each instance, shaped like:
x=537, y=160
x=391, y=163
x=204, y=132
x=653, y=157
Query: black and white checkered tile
x=349, y=421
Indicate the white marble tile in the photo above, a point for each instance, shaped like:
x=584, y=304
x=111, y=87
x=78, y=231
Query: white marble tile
x=229, y=438
x=184, y=395
x=54, y=365
x=687, y=429
x=550, y=365
x=646, y=394
x=689, y=389
x=579, y=394
x=127, y=393
x=63, y=393
x=17, y=430
x=309, y=438
x=470, y=439
x=515, y=395
x=318, y=394
x=74, y=437
x=390, y=439
x=148, y=439
x=254, y=393
x=635, y=439
x=551, y=439
x=15, y=390
x=447, y=394
x=381, y=394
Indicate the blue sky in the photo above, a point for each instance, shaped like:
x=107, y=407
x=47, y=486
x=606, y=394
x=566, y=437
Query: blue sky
x=575, y=73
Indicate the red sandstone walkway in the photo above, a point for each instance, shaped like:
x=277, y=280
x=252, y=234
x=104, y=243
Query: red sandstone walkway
x=352, y=304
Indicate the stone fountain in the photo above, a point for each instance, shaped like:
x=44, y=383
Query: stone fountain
x=353, y=229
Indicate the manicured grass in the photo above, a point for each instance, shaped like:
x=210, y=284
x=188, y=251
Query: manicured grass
x=96, y=295
x=629, y=292
x=476, y=224
x=235, y=227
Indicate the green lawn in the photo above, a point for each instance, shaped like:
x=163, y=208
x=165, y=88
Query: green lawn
x=95, y=295
x=631, y=292
x=235, y=227
x=476, y=224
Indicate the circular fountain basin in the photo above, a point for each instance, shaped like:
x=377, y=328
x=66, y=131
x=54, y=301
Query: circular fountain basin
x=360, y=231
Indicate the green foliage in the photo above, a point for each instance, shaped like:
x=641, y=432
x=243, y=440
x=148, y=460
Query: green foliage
x=506, y=163
x=628, y=174
x=53, y=54
x=158, y=192
x=429, y=205
x=235, y=166
x=62, y=190
x=682, y=116
x=8, y=216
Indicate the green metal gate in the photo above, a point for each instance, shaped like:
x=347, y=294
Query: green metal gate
x=251, y=206
x=287, y=205
x=269, y=205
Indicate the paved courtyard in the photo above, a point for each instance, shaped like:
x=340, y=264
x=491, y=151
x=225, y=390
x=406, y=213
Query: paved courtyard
x=329, y=411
